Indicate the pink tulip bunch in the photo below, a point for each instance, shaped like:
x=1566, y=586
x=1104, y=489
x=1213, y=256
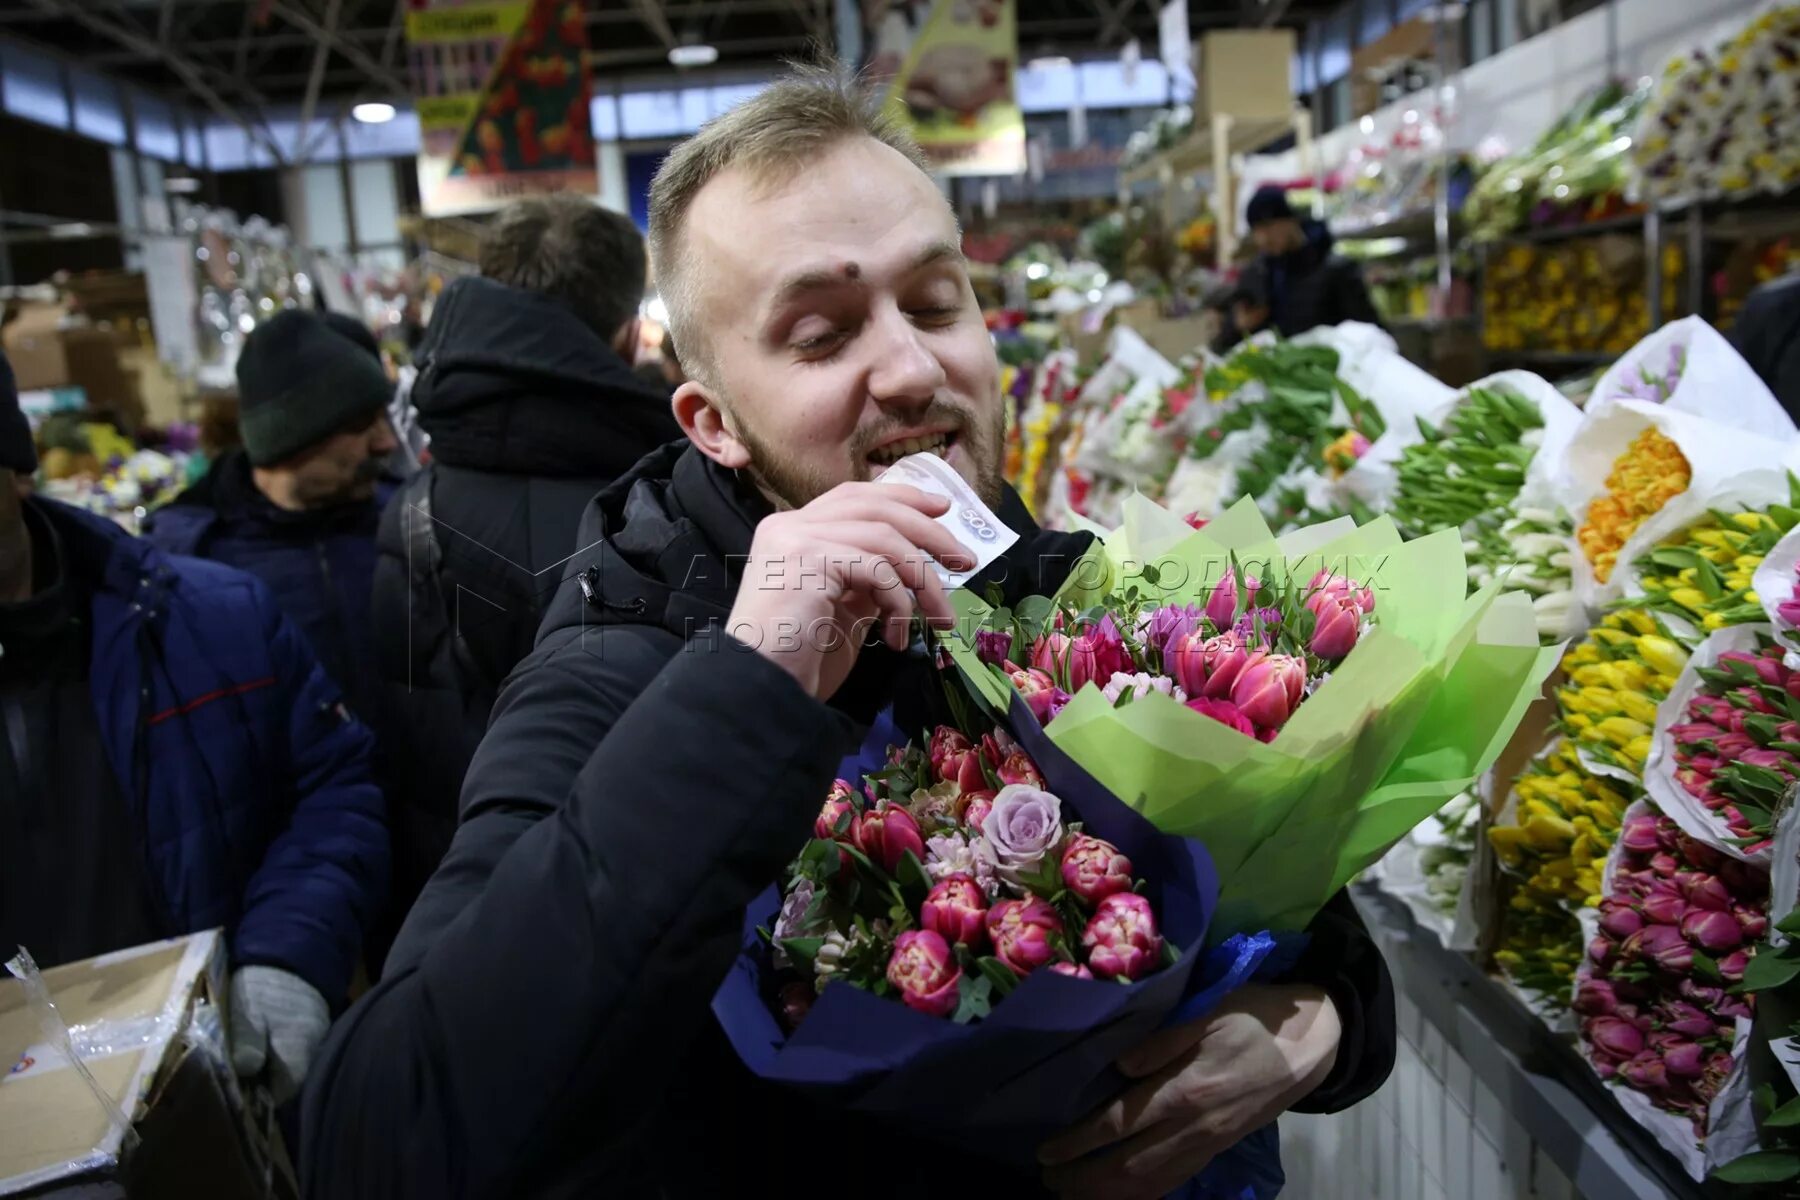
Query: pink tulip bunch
x=996, y=886
x=1789, y=609
x=1650, y=1018
x=1740, y=745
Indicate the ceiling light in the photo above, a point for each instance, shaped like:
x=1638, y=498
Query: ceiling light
x=700, y=55
x=1050, y=62
x=375, y=112
x=71, y=229
x=181, y=185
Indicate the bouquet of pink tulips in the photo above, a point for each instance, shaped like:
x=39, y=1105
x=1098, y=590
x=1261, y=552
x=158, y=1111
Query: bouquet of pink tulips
x=1295, y=704
x=949, y=878
x=1661, y=1014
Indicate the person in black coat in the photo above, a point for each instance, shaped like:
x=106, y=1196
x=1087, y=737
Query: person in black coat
x=1306, y=285
x=527, y=394
x=1767, y=334
x=543, y=1028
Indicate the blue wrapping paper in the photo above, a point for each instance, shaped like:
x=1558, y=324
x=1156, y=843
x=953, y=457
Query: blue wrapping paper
x=1043, y=1059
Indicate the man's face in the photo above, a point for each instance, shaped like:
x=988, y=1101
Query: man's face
x=1275, y=237
x=1248, y=316
x=842, y=330
x=343, y=467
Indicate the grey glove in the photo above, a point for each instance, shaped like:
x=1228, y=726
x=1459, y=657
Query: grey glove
x=277, y=1022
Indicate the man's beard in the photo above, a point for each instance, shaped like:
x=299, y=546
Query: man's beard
x=792, y=486
x=316, y=494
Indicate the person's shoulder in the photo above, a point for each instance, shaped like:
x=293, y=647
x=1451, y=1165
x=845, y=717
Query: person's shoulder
x=607, y=658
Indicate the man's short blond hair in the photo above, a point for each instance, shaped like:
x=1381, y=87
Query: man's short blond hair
x=790, y=124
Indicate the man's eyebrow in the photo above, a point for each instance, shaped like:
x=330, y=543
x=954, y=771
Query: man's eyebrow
x=821, y=278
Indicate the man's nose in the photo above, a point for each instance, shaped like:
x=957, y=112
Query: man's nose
x=907, y=371
x=382, y=439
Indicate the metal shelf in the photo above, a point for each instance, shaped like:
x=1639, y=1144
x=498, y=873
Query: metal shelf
x=1195, y=152
x=1627, y=222
x=1414, y=225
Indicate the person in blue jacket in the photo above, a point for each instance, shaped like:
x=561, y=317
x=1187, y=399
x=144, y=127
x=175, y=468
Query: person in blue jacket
x=173, y=759
x=298, y=506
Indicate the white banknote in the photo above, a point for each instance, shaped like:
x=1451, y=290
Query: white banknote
x=972, y=522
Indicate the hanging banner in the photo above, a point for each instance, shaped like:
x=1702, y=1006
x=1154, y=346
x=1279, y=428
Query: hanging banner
x=502, y=95
x=952, y=67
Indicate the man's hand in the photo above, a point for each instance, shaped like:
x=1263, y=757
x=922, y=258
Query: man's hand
x=1206, y=1085
x=820, y=576
x=277, y=1022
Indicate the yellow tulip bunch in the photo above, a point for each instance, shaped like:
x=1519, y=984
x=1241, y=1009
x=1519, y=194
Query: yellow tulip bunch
x=1539, y=949
x=1616, y=677
x=1703, y=573
x=1565, y=820
x=1650, y=473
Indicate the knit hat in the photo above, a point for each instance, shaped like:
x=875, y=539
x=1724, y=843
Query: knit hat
x=1270, y=203
x=299, y=382
x=353, y=329
x=16, y=449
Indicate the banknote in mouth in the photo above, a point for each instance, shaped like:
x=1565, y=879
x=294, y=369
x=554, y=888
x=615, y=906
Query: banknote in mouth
x=972, y=522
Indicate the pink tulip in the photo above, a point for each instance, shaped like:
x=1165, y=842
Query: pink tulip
x=1697, y=853
x=1041, y=694
x=1094, y=869
x=976, y=807
x=1718, y=1067
x=1050, y=653
x=1121, y=938
x=1595, y=998
x=1023, y=933
x=1225, y=660
x=1754, y=924
x=1747, y=883
x=1604, y=1069
x=1339, y=587
x=1225, y=713
x=1621, y=921
x=1600, y=951
x=1731, y=967
x=1733, y=746
x=1269, y=688
x=1222, y=602
x=1702, y=890
x=1681, y=1017
x=956, y=909
x=1663, y=908
x=1095, y=654
x=1018, y=768
x=1768, y=670
x=1074, y=970
x=1665, y=864
x=1662, y=946
x=1646, y=1073
x=1684, y=1060
x=993, y=646
x=1639, y=835
x=1338, y=625
x=1756, y=700
x=1692, y=733
x=837, y=819
x=923, y=969
x=1708, y=998
x=1773, y=760
x=1185, y=659
x=886, y=833
x=945, y=741
x=796, y=1001
x=1613, y=1036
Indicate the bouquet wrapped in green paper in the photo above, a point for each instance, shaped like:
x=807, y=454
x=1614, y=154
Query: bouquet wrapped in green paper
x=1297, y=704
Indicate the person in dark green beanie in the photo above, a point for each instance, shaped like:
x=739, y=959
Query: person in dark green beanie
x=297, y=506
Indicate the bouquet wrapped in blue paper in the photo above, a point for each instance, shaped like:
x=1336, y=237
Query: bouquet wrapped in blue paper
x=965, y=914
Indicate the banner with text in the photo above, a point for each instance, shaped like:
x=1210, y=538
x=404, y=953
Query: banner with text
x=503, y=102
x=951, y=69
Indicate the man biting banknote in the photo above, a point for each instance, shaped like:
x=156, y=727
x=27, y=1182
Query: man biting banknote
x=544, y=1027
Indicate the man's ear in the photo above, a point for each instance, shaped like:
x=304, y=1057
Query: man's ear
x=627, y=342
x=708, y=426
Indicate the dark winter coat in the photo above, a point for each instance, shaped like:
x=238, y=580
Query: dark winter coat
x=320, y=565
x=1310, y=286
x=530, y=414
x=1767, y=334
x=247, y=779
x=544, y=1025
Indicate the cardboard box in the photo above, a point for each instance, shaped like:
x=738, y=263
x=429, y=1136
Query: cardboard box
x=147, y=1024
x=1245, y=73
x=49, y=349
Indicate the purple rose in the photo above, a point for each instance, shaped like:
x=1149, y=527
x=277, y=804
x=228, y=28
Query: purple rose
x=1024, y=825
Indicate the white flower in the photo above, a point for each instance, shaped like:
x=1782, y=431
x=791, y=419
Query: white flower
x=1531, y=439
x=953, y=854
x=1562, y=560
x=1532, y=545
x=831, y=953
x=1538, y=516
x=791, y=922
x=1140, y=684
x=1552, y=612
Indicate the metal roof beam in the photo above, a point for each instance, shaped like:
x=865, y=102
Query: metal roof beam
x=655, y=20
x=350, y=50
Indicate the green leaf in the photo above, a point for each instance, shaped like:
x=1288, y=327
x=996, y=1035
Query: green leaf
x=1785, y=1117
x=973, y=1002
x=1763, y=1098
x=1675, y=557
x=803, y=951
x=1761, y=1166
x=1151, y=575
x=1034, y=610
x=1790, y=924
x=1763, y=728
x=1768, y=970
x=1706, y=969
x=913, y=881
x=998, y=974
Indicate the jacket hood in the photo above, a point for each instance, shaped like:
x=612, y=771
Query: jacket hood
x=1319, y=243
x=101, y=555
x=227, y=495
x=510, y=380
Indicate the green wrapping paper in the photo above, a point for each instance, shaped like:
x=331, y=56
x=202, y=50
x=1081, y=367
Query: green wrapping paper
x=1416, y=713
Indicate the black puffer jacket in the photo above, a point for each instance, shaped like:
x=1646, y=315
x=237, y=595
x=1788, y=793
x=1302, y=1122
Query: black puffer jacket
x=530, y=413
x=544, y=1026
x=1311, y=286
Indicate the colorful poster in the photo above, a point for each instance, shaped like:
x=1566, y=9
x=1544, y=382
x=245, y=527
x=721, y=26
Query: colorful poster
x=951, y=67
x=503, y=102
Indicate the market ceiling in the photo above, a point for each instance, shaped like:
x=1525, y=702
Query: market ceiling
x=247, y=56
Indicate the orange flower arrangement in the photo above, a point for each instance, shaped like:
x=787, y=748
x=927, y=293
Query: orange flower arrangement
x=1647, y=476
